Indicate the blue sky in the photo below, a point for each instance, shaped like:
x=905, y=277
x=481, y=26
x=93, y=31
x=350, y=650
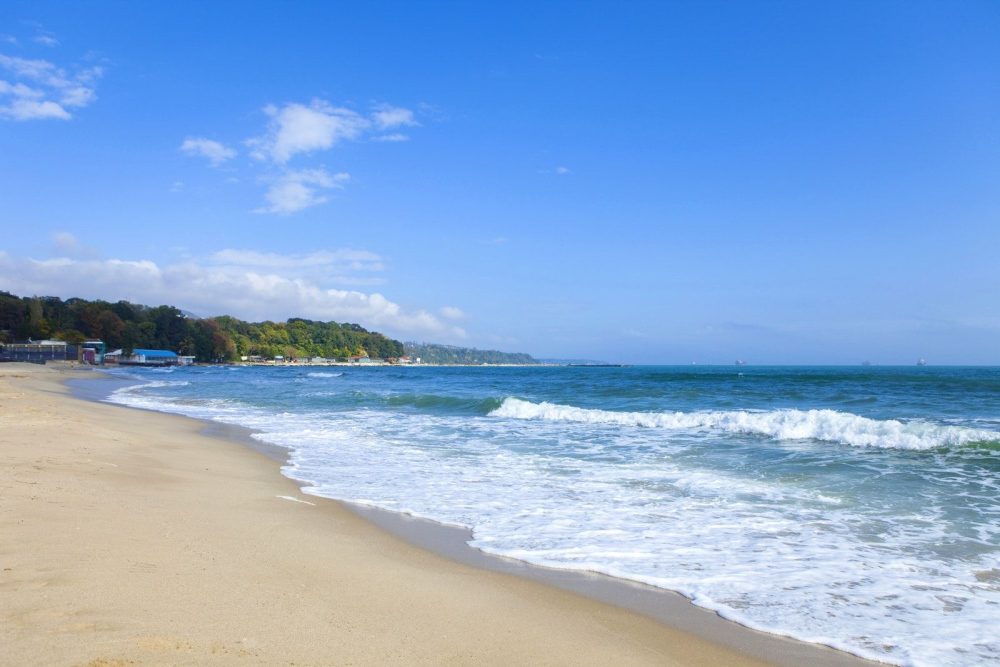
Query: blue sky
x=663, y=182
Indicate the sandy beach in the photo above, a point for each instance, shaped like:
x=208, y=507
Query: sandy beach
x=129, y=537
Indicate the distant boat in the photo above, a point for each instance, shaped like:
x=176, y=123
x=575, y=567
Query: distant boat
x=740, y=362
x=866, y=363
x=921, y=362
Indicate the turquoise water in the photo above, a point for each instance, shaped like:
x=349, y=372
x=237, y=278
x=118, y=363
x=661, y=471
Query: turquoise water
x=856, y=507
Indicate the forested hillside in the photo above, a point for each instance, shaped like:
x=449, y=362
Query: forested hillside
x=127, y=325
x=305, y=338
x=450, y=354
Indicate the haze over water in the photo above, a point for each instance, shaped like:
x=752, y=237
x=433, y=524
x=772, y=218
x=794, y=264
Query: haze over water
x=857, y=507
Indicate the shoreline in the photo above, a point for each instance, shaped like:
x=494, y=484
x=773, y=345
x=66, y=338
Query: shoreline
x=666, y=606
x=670, y=613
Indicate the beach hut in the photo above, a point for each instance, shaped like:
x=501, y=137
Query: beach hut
x=93, y=351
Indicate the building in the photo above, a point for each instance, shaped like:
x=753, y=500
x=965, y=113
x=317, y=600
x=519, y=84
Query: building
x=361, y=359
x=40, y=351
x=92, y=352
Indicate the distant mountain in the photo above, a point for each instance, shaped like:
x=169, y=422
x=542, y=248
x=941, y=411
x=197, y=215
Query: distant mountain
x=430, y=353
x=573, y=362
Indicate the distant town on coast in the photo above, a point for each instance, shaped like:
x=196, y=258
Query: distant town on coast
x=99, y=332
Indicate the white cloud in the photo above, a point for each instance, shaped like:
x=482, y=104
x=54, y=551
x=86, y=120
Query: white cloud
x=562, y=171
x=341, y=259
x=28, y=109
x=452, y=313
x=387, y=117
x=344, y=266
x=42, y=36
x=34, y=70
x=20, y=90
x=38, y=89
x=65, y=243
x=68, y=245
x=297, y=128
x=215, y=152
x=211, y=287
x=296, y=190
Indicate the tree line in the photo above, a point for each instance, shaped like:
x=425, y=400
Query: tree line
x=130, y=326
x=430, y=353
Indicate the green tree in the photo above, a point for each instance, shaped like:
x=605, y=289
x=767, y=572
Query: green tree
x=38, y=326
x=71, y=336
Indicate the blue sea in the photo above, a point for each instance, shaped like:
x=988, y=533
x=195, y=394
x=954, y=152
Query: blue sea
x=854, y=507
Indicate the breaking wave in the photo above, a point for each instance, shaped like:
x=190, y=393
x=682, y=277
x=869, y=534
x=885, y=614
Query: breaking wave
x=826, y=425
x=154, y=384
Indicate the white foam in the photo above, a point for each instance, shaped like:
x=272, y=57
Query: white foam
x=780, y=558
x=154, y=384
x=139, y=396
x=323, y=374
x=827, y=425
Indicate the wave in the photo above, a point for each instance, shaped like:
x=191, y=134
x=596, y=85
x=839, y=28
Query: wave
x=826, y=425
x=153, y=384
x=323, y=375
x=465, y=405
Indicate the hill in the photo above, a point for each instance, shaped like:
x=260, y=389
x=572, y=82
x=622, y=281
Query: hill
x=430, y=353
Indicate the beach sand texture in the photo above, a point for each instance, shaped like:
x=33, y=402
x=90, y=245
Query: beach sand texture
x=127, y=537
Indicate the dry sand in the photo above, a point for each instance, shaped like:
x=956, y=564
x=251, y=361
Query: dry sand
x=127, y=537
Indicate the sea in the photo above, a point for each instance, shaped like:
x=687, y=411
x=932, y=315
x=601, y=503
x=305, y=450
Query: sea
x=857, y=507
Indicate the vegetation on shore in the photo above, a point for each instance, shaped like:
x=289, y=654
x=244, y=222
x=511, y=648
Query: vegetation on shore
x=430, y=353
x=128, y=326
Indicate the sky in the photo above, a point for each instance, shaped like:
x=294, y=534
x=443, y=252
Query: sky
x=668, y=182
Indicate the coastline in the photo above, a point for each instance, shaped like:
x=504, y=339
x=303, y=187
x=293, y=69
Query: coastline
x=443, y=608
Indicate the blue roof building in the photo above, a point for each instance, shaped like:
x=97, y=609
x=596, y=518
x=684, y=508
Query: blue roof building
x=155, y=354
x=143, y=357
